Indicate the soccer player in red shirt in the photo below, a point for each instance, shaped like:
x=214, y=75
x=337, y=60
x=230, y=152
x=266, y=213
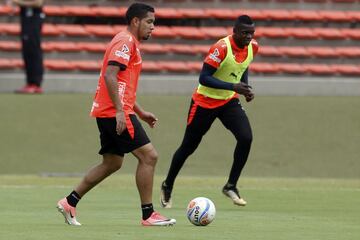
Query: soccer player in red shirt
x=115, y=107
x=223, y=78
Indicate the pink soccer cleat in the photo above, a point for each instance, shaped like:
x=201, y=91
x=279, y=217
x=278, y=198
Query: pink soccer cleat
x=156, y=219
x=68, y=211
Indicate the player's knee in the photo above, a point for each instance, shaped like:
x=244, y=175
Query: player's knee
x=245, y=139
x=152, y=158
x=112, y=163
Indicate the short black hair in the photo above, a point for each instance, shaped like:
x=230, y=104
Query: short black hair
x=243, y=19
x=138, y=10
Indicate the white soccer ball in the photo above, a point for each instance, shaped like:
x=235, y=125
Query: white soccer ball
x=201, y=211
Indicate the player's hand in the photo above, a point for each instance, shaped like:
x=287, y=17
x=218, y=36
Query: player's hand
x=242, y=88
x=149, y=118
x=249, y=97
x=120, y=122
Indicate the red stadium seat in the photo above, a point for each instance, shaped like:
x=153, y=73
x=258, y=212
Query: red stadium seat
x=17, y=63
x=345, y=1
x=108, y=11
x=322, y=51
x=50, y=30
x=193, y=13
x=336, y=16
x=153, y=48
x=318, y=69
x=351, y=33
x=290, y=68
x=179, y=48
x=86, y=65
x=214, y=32
x=9, y=28
x=202, y=49
x=219, y=13
x=346, y=69
x=118, y=28
x=277, y=14
x=264, y=68
x=194, y=66
x=63, y=46
x=167, y=13
x=58, y=65
x=5, y=10
x=163, y=32
x=301, y=33
x=150, y=66
x=348, y=51
x=269, y=51
x=188, y=32
x=273, y=32
x=53, y=10
x=100, y=30
x=294, y=51
x=355, y=16
x=253, y=13
x=78, y=11
x=6, y=64
x=328, y=33
x=92, y=46
x=72, y=30
x=306, y=15
x=315, y=1
x=174, y=66
x=10, y=46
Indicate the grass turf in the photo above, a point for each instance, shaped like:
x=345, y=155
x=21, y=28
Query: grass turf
x=278, y=209
x=293, y=136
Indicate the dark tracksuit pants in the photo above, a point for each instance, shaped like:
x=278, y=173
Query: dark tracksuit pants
x=233, y=117
x=31, y=23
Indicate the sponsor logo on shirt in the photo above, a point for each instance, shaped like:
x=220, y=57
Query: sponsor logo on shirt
x=214, y=56
x=123, y=53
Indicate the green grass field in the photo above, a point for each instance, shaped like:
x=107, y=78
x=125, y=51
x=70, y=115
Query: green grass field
x=278, y=209
x=302, y=179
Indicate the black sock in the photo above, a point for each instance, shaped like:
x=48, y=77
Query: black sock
x=229, y=186
x=73, y=198
x=147, y=210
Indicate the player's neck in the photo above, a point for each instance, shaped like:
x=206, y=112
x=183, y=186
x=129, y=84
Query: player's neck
x=133, y=32
x=238, y=43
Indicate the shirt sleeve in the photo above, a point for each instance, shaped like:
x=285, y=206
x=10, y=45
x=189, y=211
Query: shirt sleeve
x=216, y=54
x=121, y=52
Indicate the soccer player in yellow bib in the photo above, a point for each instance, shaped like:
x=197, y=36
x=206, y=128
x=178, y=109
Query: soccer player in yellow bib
x=223, y=78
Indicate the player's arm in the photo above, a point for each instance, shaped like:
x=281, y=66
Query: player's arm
x=110, y=78
x=245, y=79
x=207, y=79
x=148, y=117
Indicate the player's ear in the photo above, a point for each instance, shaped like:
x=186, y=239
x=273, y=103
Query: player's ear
x=136, y=21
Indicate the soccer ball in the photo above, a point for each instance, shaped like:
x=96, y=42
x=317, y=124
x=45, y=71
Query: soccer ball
x=201, y=211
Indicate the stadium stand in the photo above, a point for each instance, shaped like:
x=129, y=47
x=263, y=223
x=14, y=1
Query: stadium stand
x=309, y=37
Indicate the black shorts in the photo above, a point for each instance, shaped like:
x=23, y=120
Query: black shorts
x=113, y=143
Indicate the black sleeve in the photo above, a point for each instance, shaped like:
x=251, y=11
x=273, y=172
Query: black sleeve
x=114, y=63
x=244, y=77
x=206, y=79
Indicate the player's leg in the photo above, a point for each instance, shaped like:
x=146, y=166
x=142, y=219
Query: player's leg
x=147, y=158
x=234, y=118
x=110, y=164
x=112, y=160
x=199, y=122
x=67, y=206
